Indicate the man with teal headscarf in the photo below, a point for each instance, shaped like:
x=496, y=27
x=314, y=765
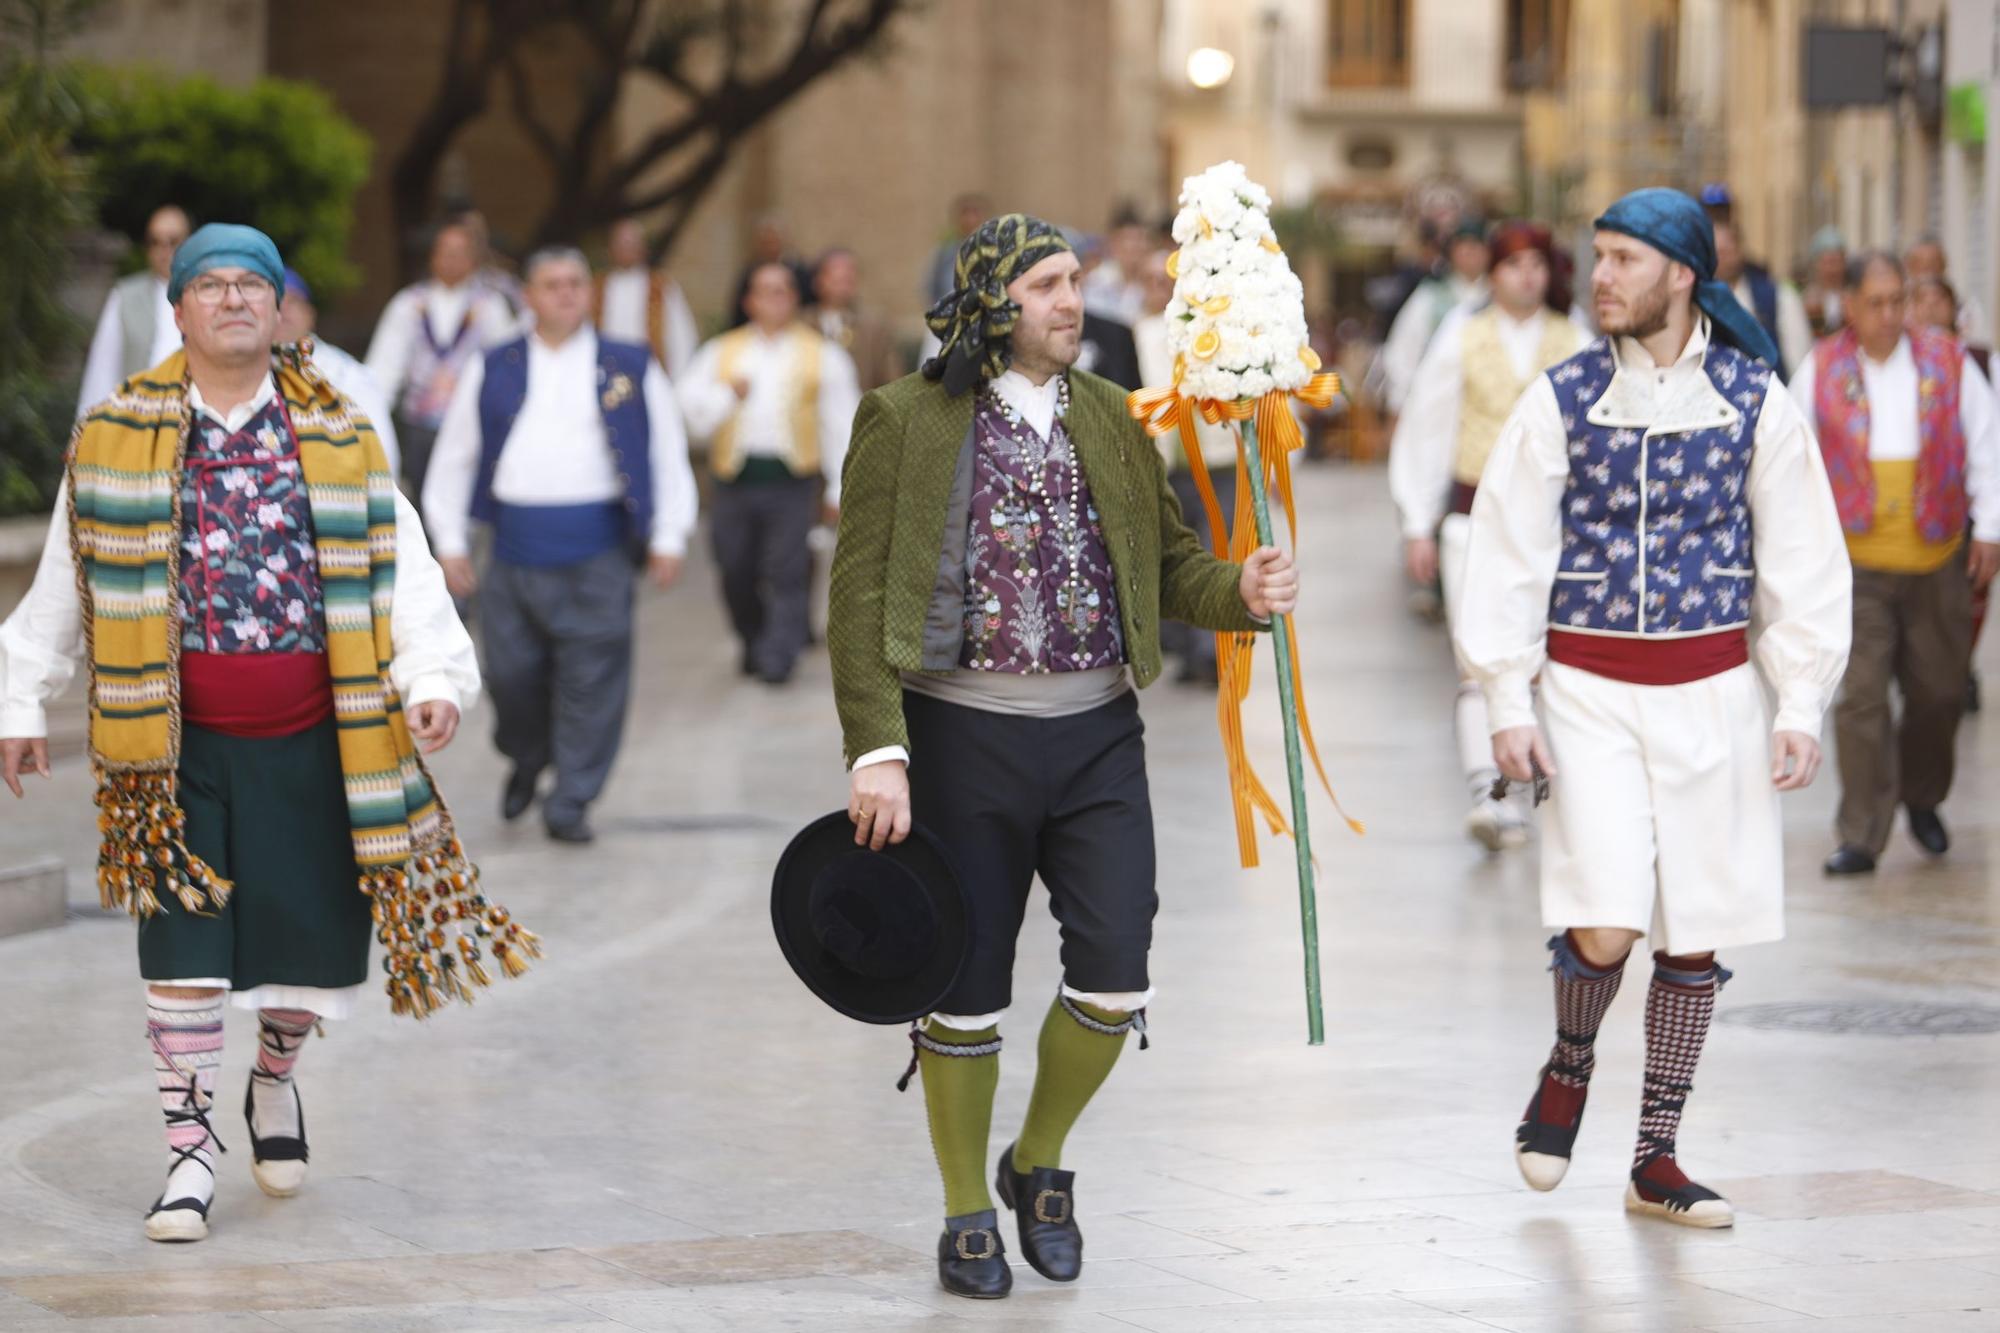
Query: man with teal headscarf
x=1647, y=499
x=214, y=480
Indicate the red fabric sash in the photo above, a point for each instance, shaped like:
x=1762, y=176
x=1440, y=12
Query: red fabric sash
x=1651, y=661
x=255, y=694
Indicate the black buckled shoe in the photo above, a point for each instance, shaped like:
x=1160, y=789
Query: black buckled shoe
x=278, y=1162
x=971, y=1260
x=1044, y=1204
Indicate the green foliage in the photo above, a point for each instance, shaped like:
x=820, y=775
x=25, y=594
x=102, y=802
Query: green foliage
x=44, y=200
x=276, y=155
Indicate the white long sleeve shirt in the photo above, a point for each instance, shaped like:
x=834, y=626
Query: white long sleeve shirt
x=625, y=299
x=763, y=416
x=391, y=350
x=1416, y=324
x=42, y=642
x=557, y=452
x=1892, y=424
x=1425, y=445
x=103, y=367
x=1802, y=610
x=353, y=378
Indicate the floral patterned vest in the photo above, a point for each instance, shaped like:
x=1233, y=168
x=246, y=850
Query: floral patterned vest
x=1040, y=592
x=1656, y=524
x=249, y=569
x=1840, y=403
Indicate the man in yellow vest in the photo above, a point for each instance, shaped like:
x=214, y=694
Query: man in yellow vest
x=1906, y=425
x=1477, y=367
x=774, y=401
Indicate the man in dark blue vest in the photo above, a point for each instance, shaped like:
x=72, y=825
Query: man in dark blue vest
x=570, y=448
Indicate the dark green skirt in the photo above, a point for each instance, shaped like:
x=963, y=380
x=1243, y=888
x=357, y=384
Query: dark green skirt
x=269, y=814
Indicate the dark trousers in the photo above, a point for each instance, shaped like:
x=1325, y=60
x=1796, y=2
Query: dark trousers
x=760, y=530
x=416, y=443
x=1914, y=629
x=559, y=666
x=1064, y=798
x=1196, y=647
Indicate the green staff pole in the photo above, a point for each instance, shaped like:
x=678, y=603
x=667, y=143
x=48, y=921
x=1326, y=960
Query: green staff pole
x=1288, y=704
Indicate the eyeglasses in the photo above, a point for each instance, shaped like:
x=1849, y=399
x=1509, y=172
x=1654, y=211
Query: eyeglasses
x=252, y=289
x=164, y=242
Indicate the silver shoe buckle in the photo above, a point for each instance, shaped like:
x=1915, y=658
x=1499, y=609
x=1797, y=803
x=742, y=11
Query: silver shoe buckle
x=959, y=1242
x=1059, y=1198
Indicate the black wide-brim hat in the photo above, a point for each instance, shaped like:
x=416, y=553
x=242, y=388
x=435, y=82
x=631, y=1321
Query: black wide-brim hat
x=879, y=936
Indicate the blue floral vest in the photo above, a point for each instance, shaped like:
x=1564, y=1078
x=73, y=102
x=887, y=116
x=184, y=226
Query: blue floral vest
x=1656, y=535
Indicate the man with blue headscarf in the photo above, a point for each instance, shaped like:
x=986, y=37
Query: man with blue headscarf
x=1646, y=500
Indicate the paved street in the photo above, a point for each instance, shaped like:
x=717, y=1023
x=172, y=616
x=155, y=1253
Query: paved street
x=659, y=1129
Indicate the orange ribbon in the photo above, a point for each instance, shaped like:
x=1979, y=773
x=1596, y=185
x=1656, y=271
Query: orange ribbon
x=1166, y=410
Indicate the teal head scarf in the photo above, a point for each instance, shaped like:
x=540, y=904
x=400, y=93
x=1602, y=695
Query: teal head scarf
x=1675, y=225
x=225, y=245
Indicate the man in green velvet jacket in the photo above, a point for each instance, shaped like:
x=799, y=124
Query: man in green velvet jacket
x=1008, y=548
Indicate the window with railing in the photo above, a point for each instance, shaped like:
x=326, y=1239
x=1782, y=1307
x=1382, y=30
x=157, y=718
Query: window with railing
x=1537, y=44
x=1368, y=43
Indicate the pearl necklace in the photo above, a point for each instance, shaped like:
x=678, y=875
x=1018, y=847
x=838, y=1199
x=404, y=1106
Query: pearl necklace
x=1069, y=526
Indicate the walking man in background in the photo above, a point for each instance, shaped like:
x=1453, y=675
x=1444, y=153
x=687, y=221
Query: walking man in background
x=636, y=302
x=774, y=401
x=570, y=447
x=137, y=328
x=427, y=336
x=1906, y=423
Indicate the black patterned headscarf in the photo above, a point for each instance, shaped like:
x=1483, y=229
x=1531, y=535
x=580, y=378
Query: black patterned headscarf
x=976, y=321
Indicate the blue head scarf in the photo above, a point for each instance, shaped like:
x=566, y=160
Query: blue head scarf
x=1678, y=228
x=225, y=245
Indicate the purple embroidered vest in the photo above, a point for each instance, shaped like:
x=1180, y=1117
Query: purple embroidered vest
x=1040, y=593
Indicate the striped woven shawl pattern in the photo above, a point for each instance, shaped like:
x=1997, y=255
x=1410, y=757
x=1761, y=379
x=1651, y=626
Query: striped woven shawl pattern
x=125, y=475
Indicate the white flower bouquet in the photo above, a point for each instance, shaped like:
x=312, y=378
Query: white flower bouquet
x=1237, y=321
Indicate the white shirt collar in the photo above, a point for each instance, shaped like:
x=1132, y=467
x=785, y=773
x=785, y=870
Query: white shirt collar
x=582, y=343
x=1036, y=403
x=1631, y=352
x=1897, y=359
x=239, y=414
x=1533, y=320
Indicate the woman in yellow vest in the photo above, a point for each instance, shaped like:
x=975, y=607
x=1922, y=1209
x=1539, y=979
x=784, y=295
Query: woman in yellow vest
x=1477, y=367
x=774, y=402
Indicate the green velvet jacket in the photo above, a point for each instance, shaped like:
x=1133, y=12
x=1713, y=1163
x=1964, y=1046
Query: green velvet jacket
x=904, y=487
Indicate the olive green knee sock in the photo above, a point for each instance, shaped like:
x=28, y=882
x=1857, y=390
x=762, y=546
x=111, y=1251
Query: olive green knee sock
x=1073, y=1061
x=958, y=1098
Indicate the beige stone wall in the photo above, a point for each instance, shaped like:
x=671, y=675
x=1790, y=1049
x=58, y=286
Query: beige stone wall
x=223, y=39
x=1047, y=106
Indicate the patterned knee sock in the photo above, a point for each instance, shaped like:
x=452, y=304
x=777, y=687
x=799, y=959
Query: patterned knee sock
x=1583, y=994
x=281, y=1033
x=1079, y=1044
x=961, y=1073
x=1679, y=1005
x=186, y=1037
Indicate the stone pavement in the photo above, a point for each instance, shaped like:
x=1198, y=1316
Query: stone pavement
x=659, y=1129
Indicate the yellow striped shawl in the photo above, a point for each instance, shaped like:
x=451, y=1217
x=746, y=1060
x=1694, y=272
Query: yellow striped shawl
x=125, y=475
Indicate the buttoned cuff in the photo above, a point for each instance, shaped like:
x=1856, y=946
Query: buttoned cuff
x=24, y=722
x=432, y=687
x=887, y=754
x=1510, y=702
x=1800, y=715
